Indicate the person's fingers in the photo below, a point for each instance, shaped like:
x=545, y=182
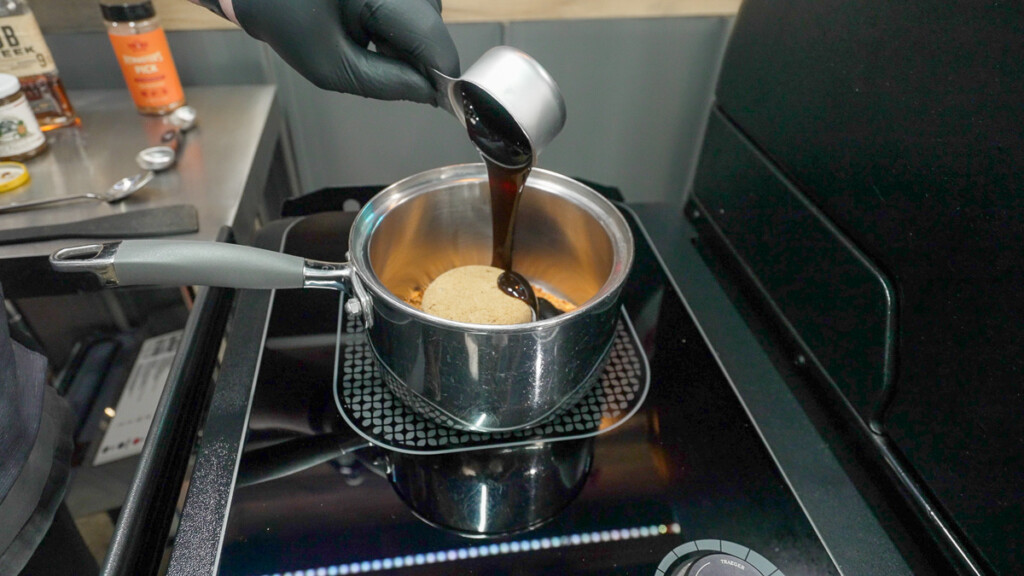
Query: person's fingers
x=326, y=40
x=378, y=76
x=351, y=11
x=246, y=15
x=415, y=29
x=436, y=4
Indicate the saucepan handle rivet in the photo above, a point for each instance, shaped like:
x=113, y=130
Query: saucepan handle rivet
x=353, y=307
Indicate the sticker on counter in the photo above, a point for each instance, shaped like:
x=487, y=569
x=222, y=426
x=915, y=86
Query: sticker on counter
x=131, y=418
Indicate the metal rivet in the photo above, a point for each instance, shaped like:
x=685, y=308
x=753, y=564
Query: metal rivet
x=353, y=307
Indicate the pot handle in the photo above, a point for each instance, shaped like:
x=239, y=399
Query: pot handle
x=190, y=262
x=293, y=456
x=182, y=262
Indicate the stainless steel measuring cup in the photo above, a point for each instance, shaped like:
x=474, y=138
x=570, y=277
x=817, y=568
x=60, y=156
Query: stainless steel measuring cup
x=519, y=84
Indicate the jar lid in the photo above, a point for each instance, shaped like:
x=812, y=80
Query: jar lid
x=8, y=85
x=12, y=175
x=128, y=11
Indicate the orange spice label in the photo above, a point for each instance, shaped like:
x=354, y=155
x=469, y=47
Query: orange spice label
x=148, y=68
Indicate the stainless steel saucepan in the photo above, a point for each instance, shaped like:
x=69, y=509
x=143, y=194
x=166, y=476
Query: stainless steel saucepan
x=569, y=240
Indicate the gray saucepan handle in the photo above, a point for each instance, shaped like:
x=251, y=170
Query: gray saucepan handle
x=190, y=262
x=183, y=262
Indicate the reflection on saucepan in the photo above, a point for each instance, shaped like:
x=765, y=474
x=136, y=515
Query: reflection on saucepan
x=492, y=492
x=479, y=493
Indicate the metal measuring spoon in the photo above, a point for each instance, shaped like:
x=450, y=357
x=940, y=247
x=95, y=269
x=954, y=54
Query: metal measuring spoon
x=121, y=189
x=163, y=156
x=156, y=158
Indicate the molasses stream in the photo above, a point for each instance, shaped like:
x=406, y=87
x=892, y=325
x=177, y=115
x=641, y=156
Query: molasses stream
x=508, y=156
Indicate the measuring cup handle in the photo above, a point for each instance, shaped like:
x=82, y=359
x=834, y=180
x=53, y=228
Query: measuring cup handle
x=446, y=97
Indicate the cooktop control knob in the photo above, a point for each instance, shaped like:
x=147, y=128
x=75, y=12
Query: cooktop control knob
x=717, y=565
x=715, y=558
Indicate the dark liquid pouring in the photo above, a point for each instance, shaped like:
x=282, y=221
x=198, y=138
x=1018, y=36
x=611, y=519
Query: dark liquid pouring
x=507, y=153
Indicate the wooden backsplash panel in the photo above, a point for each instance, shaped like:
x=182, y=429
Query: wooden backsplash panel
x=59, y=16
x=56, y=16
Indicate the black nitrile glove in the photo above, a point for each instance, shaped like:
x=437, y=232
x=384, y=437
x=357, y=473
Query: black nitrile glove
x=326, y=41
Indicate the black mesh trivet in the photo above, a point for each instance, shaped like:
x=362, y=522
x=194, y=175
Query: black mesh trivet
x=373, y=410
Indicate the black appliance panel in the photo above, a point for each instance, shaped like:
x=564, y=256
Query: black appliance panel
x=833, y=300
x=901, y=123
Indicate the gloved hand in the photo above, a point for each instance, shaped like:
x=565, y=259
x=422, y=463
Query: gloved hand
x=326, y=41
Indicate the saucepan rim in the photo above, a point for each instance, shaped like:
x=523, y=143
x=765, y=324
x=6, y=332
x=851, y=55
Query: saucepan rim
x=597, y=206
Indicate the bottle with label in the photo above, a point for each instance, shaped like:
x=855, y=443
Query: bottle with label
x=24, y=53
x=20, y=136
x=141, y=48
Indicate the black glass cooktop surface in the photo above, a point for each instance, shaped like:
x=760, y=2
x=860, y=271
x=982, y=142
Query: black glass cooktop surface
x=684, y=486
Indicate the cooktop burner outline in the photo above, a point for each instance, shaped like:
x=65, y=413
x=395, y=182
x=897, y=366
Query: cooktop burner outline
x=374, y=412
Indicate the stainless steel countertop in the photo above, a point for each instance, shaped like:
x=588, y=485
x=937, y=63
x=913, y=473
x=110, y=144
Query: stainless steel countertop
x=224, y=161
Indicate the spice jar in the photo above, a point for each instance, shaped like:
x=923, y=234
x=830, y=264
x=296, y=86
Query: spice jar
x=141, y=48
x=20, y=136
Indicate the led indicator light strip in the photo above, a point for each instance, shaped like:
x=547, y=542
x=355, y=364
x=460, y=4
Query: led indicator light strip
x=486, y=550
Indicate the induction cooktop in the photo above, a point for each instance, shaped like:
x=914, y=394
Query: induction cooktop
x=684, y=485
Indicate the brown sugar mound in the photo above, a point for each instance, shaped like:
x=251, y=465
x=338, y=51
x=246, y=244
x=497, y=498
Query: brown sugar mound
x=470, y=294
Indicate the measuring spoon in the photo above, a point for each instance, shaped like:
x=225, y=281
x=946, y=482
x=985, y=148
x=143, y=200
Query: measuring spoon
x=164, y=156
x=121, y=189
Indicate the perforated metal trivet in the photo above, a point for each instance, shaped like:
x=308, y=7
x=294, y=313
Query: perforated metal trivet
x=373, y=410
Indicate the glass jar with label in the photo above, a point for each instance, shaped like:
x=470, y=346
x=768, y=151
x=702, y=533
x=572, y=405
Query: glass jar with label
x=20, y=135
x=144, y=56
x=24, y=53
